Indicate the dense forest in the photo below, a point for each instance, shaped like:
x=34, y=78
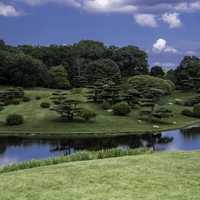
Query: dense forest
x=84, y=63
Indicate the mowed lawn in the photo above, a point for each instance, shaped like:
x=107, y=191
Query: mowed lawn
x=158, y=176
x=46, y=122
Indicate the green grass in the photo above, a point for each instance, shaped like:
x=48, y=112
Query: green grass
x=45, y=122
x=79, y=156
x=159, y=176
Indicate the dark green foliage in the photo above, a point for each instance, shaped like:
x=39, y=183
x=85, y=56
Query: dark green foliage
x=28, y=65
x=130, y=59
x=121, y=108
x=188, y=113
x=192, y=101
x=67, y=108
x=196, y=110
x=105, y=90
x=145, y=82
x=58, y=78
x=132, y=97
x=45, y=105
x=161, y=113
x=188, y=73
x=14, y=119
x=87, y=114
x=103, y=69
x=1, y=108
x=106, y=105
x=11, y=96
x=26, y=99
x=37, y=97
x=157, y=71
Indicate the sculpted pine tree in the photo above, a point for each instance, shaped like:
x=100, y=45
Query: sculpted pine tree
x=67, y=108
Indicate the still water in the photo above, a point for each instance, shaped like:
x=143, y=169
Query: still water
x=15, y=149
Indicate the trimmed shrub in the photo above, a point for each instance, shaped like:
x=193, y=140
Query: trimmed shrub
x=26, y=99
x=45, y=105
x=145, y=82
x=105, y=105
x=14, y=119
x=188, y=113
x=37, y=97
x=87, y=114
x=121, y=108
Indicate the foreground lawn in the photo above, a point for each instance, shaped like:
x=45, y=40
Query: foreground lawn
x=164, y=176
x=45, y=122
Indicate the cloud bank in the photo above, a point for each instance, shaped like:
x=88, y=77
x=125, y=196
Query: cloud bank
x=147, y=13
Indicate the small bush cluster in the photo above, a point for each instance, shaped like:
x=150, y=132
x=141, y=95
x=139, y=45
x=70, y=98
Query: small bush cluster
x=14, y=119
x=192, y=101
x=45, y=105
x=105, y=105
x=26, y=99
x=87, y=114
x=121, y=109
x=192, y=113
x=79, y=156
x=37, y=97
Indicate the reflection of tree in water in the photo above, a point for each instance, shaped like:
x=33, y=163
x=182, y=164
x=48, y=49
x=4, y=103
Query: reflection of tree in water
x=193, y=132
x=132, y=141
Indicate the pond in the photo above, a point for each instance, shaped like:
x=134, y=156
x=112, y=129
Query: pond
x=15, y=149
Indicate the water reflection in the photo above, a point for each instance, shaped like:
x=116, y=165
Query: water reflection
x=15, y=149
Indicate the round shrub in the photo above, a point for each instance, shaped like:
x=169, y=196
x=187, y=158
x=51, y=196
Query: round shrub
x=37, y=97
x=26, y=99
x=146, y=82
x=87, y=114
x=14, y=119
x=188, y=113
x=105, y=105
x=121, y=108
x=45, y=105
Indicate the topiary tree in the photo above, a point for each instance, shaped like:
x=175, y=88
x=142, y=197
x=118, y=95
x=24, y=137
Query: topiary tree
x=121, y=109
x=161, y=113
x=67, y=108
x=143, y=83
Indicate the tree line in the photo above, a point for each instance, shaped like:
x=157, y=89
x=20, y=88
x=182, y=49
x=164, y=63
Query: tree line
x=84, y=63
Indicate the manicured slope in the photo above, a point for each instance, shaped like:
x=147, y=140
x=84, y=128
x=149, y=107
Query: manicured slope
x=46, y=122
x=160, y=176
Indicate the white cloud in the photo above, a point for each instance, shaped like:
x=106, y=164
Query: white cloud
x=161, y=46
x=108, y=6
x=8, y=10
x=172, y=19
x=148, y=20
x=191, y=53
x=188, y=6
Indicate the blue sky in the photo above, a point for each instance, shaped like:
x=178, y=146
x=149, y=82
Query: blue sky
x=166, y=29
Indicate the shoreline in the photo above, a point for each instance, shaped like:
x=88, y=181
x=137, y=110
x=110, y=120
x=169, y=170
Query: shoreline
x=79, y=135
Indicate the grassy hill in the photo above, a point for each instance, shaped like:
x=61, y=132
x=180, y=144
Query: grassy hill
x=166, y=176
x=45, y=122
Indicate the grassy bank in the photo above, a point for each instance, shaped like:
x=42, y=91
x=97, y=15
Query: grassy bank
x=44, y=122
x=166, y=176
x=79, y=156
